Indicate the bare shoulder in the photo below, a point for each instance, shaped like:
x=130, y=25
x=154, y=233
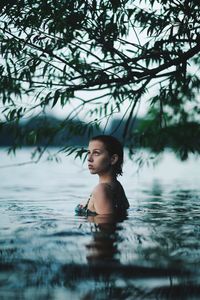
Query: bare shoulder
x=102, y=197
x=103, y=188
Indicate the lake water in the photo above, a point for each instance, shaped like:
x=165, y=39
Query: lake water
x=46, y=252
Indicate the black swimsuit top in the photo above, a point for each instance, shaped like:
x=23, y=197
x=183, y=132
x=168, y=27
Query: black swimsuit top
x=83, y=210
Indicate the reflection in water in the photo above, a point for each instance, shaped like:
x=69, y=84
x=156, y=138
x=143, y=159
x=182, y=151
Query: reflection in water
x=114, y=280
x=105, y=234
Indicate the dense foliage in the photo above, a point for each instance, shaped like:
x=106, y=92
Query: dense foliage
x=102, y=57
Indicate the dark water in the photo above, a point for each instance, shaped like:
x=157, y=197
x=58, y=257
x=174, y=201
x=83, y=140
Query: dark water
x=46, y=252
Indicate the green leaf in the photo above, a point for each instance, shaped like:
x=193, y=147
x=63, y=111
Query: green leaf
x=56, y=97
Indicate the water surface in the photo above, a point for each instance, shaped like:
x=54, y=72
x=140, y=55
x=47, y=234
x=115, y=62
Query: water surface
x=46, y=252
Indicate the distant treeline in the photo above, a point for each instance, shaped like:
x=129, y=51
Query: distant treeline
x=55, y=132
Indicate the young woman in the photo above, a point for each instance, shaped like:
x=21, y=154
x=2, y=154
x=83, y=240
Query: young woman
x=105, y=158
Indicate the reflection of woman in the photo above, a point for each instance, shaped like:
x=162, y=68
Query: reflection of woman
x=105, y=158
x=104, y=245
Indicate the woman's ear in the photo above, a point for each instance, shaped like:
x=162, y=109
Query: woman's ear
x=114, y=159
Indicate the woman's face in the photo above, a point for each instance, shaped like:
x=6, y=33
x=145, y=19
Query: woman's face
x=99, y=160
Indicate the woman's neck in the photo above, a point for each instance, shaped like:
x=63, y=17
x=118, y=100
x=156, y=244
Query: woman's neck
x=106, y=178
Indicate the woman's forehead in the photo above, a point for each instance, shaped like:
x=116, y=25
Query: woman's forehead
x=95, y=144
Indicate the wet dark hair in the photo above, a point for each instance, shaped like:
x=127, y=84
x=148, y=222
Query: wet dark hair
x=113, y=146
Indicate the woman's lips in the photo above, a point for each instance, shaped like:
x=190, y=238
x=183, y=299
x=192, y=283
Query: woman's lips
x=90, y=167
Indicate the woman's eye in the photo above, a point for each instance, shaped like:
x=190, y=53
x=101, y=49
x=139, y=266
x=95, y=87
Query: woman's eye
x=96, y=153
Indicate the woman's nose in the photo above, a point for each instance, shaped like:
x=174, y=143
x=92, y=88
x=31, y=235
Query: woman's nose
x=89, y=157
